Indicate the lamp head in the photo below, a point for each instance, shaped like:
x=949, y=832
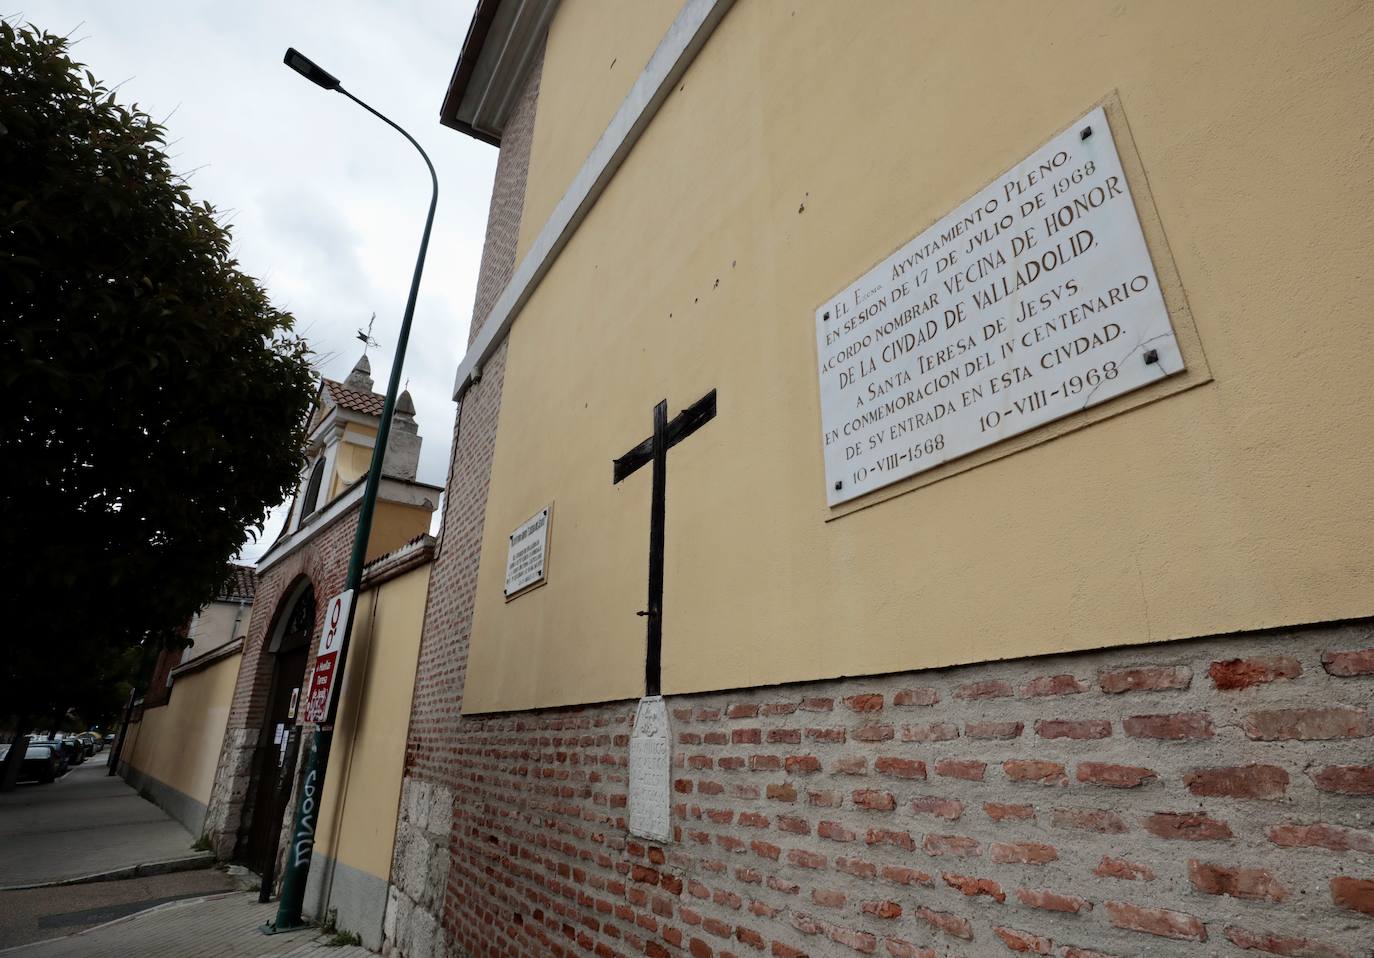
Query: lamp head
x=307, y=68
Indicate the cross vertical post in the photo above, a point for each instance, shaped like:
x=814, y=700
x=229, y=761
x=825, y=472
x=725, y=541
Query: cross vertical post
x=654, y=451
x=653, y=656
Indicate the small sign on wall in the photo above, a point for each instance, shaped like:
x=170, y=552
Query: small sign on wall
x=527, y=554
x=320, y=691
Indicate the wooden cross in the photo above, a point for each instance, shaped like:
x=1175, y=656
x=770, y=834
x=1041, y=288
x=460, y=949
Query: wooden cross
x=655, y=450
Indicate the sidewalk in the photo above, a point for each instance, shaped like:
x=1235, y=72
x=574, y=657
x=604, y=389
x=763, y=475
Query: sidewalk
x=90, y=826
x=90, y=823
x=86, y=823
x=220, y=926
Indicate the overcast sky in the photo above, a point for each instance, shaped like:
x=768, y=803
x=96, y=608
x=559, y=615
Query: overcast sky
x=327, y=203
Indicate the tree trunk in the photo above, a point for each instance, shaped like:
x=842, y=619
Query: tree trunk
x=112, y=766
x=9, y=772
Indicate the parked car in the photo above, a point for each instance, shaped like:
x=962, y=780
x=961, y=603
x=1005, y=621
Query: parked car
x=75, y=751
x=41, y=763
x=88, y=742
x=67, y=752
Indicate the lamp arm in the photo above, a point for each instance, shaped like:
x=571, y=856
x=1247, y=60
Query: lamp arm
x=355, y=567
x=434, y=179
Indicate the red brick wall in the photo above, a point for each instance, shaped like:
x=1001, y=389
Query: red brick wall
x=437, y=735
x=158, y=692
x=1179, y=799
x=324, y=560
x=453, y=577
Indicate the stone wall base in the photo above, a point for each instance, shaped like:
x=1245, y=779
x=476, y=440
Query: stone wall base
x=185, y=809
x=233, y=781
x=419, y=873
x=357, y=899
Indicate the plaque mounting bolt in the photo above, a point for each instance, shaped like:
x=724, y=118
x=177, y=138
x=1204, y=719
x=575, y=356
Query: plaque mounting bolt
x=839, y=484
x=1151, y=357
x=826, y=316
x=1084, y=133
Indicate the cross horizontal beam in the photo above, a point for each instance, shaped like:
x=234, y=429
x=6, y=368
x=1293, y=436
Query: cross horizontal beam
x=683, y=425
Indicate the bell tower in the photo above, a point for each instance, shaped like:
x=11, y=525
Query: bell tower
x=343, y=432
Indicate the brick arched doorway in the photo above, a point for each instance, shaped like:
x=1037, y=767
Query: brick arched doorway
x=288, y=648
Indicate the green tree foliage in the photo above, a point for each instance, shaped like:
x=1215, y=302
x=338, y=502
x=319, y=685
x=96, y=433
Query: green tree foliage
x=153, y=400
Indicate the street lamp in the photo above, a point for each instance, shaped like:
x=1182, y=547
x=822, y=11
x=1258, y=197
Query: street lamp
x=302, y=844
x=307, y=68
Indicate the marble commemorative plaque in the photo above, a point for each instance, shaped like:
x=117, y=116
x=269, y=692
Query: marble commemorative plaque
x=650, y=765
x=527, y=554
x=1030, y=301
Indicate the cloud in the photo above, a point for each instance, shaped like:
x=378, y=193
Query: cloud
x=326, y=202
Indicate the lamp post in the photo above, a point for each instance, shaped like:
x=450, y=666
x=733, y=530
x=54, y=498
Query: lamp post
x=307, y=807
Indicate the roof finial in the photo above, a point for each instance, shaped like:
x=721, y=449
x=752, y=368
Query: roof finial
x=361, y=376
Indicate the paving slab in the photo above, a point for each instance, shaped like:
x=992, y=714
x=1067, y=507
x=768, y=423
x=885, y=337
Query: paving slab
x=219, y=926
x=85, y=823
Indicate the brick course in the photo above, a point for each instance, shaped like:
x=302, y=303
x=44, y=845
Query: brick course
x=1198, y=841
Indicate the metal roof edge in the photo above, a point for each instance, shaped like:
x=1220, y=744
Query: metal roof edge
x=501, y=43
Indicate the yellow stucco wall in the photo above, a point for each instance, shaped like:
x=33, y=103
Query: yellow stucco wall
x=394, y=524
x=178, y=743
x=368, y=753
x=808, y=142
x=352, y=460
x=571, y=116
x=217, y=623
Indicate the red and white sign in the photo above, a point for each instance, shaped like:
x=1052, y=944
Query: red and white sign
x=320, y=691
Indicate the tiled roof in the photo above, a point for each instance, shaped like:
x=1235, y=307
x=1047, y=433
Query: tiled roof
x=367, y=403
x=241, y=584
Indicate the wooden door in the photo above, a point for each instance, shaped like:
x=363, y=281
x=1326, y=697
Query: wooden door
x=269, y=793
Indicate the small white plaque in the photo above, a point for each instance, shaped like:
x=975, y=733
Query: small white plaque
x=1034, y=299
x=649, y=771
x=320, y=691
x=527, y=554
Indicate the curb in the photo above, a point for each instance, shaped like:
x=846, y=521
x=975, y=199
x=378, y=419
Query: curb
x=165, y=866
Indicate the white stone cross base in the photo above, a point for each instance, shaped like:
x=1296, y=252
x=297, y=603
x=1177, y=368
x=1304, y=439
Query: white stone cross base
x=650, y=771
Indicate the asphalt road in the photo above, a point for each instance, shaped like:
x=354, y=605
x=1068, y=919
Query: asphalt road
x=217, y=926
x=38, y=914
